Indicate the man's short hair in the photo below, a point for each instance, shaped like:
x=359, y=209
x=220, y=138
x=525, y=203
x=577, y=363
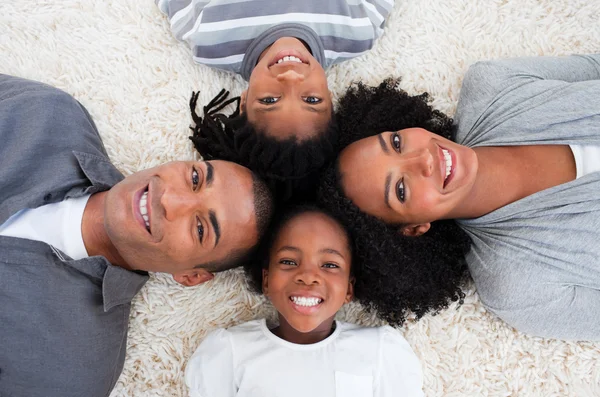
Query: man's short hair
x=263, y=209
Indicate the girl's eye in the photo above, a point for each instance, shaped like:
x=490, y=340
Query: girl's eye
x=200, y=229
x=330, y=266
x=268, y=100
x=400, y=191
x=313, y=100
x=287, y=262
x=396, y=141
x=195, y=178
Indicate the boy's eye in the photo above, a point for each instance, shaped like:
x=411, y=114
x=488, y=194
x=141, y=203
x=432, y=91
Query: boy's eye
x=268, y=100
x=400, y=191
x=396, y=141
x=330, y=266
x=313, y=100
x=195, y=178
x=200, y=229
x=287, y=262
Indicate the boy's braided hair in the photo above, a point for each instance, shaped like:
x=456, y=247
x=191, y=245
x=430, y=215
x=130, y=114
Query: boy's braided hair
x=289, y=167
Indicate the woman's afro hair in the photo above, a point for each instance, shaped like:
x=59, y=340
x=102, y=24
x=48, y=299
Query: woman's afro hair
x=289, y=167
x=397, y=274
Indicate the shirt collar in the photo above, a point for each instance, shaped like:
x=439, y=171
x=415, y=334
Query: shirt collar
x=119, y=285
x=271, y=35
x=99, y=170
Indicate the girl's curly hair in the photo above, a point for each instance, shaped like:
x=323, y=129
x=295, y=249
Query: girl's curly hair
x=397, y=274
x=289, y=167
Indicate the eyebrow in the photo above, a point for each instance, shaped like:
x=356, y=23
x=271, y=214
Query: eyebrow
x=215, y=224
x=288, y=248
x=322, y=251
x=386, y=196
x=382, y=143
x=331, y=251
x=210, y=173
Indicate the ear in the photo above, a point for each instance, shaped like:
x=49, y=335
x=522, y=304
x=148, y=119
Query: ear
x=350, y=291
x=265, y=282
x=415, y=230
x=243, y=97
x=193, y=277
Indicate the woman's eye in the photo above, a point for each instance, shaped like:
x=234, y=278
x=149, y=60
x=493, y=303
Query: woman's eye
x=330, y=266
x=195, y=178
x=200, y=229
x=287, y=262
x=313, y=100
x=268, y=100
x=396, y=141
x=400, y=191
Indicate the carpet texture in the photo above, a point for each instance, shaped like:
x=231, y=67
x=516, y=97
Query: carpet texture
x=119, y=59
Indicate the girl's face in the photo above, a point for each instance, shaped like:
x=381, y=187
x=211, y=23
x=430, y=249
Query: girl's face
x=308, y=279
x=408, y=177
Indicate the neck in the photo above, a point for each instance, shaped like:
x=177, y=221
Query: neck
x=95, y=238
x=286, y=332
x=509, y=173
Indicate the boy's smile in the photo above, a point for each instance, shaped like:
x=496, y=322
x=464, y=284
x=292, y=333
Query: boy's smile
x=308, y=279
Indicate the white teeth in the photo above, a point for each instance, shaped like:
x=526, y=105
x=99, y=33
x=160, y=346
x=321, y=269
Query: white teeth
x=448, y=159
x=290, y=58
x=305, y=301
x=144, y=209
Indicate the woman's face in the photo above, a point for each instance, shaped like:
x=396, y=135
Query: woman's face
x=409, y=177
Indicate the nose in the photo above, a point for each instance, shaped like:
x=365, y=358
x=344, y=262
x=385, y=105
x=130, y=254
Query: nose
x=419, y=161
x=308, y=275
x=290, y=76
x=176, y=204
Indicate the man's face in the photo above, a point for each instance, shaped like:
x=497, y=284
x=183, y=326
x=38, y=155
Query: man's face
x=287, y=92
x=176, y=216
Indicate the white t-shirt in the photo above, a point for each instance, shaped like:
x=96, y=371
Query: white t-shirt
x=250, y=361
x=57, y=224
x=587, y=159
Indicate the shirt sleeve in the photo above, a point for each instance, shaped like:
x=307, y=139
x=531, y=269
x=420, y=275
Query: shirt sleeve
x=378, y=12
x=494, y=92
x=209, y=372
x=182, y=14
x=399, y=372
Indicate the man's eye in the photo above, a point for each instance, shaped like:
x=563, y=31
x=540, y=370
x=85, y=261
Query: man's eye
x=195, y=178
x=287, y=262
x=313, y=100
x=268, y=100
x=400, y=191
x=330, y=266
x=200, y=229
x=396, y=141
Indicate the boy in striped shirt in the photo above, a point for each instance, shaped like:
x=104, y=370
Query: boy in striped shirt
x=283, y=126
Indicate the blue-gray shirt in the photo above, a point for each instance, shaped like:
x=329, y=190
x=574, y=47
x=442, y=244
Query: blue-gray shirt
x=536, y=261
x=63, y=322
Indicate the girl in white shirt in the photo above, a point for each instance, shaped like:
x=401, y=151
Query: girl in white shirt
x=308, y=277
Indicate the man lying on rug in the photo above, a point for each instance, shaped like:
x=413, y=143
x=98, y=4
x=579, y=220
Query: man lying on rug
x=282, y=127
x=76, y=240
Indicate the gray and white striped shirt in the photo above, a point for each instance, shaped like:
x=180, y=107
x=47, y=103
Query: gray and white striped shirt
x=231, y=34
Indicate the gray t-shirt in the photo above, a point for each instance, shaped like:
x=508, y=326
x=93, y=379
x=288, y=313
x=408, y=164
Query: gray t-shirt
x=231, y=35
x=536, y=261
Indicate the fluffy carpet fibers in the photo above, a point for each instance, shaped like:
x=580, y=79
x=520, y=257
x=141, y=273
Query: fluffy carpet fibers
x=119, y=59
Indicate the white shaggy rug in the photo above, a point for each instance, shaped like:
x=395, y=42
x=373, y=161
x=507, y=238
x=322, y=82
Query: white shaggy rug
x=119, y=59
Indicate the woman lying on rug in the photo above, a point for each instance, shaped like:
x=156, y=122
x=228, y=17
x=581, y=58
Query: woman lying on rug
x=307, y=270
x=518, y=172
x=282, y=127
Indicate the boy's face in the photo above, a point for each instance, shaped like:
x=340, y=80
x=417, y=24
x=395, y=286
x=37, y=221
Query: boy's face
x=287, y=93
x=308, y=279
